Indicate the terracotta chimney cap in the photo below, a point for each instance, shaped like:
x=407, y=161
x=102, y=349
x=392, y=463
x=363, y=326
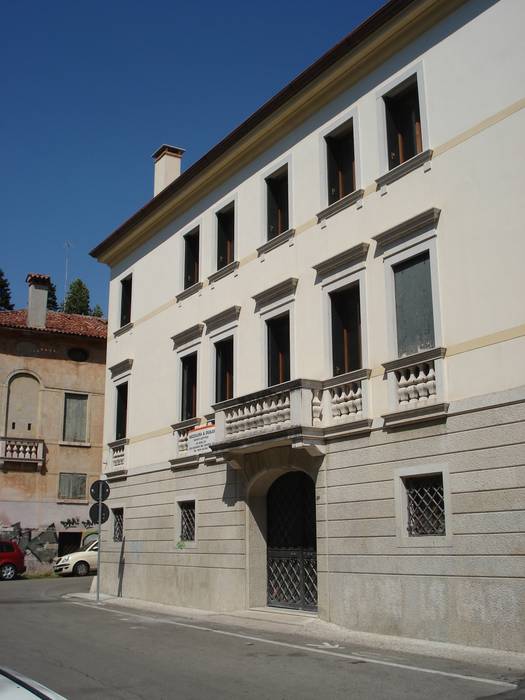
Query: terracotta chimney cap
x=37, y=278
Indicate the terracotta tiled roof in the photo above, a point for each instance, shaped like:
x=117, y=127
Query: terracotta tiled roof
x=56, y=322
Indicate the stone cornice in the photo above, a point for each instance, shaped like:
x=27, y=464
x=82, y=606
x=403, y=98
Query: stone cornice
x=406, y=167
x=417, y=224
x=416, y=358
x=118, y=443
x=221, y=319
x=223, y=272
x=276, y=241
x=341, y=204
x=189, y=291
x=355, y=254
x=421, y=414
x=187, y=423
x=123, y=329
x=121, y=367
x=184, y=337
x=278, y=291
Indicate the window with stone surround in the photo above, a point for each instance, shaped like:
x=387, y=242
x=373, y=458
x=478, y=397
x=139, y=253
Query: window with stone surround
x=75, y=418
x=346, y=329
x=225, y=235
x=189, y=386
x=340, y=156
x=187, y=521
x=72, y=486
x=403, y=122
x=224, y=369
x=413, y=304
x=278, y=329
x=277, y=202
x=126, y=286
x=191, y=258
x=425, y=505
x=118, y=524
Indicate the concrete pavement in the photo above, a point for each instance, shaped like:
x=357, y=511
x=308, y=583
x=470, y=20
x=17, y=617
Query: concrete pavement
x=111, y=651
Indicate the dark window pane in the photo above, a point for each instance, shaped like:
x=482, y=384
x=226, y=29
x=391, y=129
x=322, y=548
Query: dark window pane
x=346, y=330
x=122, y=411
x=414, y=314
x=278, y=350
x=224, y=370
x=191, y=258
x=125, y=301
x=340, y=162
x=189, y=386
x=403, y=123
x=225, y=235
x=277, y=214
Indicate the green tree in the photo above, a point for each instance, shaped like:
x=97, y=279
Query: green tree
x=97, y=311
x=5, y=293
x=77, y=298
x=52, y=303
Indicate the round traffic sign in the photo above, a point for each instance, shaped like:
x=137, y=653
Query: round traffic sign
x=93, y=513
x=99, y=490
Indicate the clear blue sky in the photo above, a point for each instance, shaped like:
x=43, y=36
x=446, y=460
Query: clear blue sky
x=91, y=89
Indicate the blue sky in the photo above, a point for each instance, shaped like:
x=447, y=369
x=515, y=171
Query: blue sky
x=91, y=89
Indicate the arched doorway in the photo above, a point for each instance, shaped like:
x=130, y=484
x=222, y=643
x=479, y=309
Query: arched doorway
x=291, y=542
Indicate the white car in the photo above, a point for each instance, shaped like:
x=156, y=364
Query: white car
x=14, y=686
x=79, y=563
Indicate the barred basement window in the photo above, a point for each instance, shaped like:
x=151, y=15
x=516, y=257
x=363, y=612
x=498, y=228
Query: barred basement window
x=118, y=524
x=425, y=505
x=187, y=521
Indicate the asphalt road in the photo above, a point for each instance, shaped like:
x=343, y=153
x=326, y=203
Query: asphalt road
x=82, y=651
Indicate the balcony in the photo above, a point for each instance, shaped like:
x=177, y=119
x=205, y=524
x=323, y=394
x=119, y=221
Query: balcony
x=301, y=413
x=417, y=388
x=117, y=459
x=26, y=451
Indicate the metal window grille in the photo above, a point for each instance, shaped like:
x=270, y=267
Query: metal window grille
x=425, y=505
x=187, y=522
x=118, y=524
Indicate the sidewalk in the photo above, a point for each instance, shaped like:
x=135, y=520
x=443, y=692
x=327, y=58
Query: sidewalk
x=308, y=627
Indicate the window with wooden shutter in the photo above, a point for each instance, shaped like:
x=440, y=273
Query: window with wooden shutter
x=414, y=309
x=75, y=418
x=340, y=162
x=126, y=287
x=122, y=411
x=346, y=330
x=191, y=258
x=403, y=123
x=278, y=349
x=277, y=202
x=189, y=386
x=225, y=235
x=224, y=370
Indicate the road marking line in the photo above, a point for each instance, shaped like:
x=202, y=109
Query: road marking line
x=311, y=650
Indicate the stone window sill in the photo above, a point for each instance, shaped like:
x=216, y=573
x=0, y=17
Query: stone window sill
x=433, y=411
x=276, y=241
x=223, y=272
x=407, y=167
x=73, y=501
x=341, y=204
x=66, y=443
x=189, y=291
x=123, y=329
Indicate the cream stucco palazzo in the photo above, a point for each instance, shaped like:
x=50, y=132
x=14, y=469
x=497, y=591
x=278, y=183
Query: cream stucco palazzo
x=316, y=385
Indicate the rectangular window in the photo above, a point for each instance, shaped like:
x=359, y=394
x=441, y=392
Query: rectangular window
x=403, y=123
x=75, y=418
x=125, y=301
x=277, y=202
x=425, y=505
x=118, y=524
x=414, y=312
x=187, y=521
x=122, y=411
x=225, y=235
x=189, y=386
x=224, y=370
x=340, y=162
x=346, y=330
x=72, y=486
x=278, y=349
x=191, y=258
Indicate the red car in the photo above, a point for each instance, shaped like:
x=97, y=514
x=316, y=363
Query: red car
x=11, y=560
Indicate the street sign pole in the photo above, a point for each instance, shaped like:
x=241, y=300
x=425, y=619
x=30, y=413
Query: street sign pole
x=99, y=538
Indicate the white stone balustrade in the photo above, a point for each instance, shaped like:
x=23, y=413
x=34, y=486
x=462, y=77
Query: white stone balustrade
x=258, y=416
x=22, y=450
x=118, y=451
x=341, y=402
x=416, y=385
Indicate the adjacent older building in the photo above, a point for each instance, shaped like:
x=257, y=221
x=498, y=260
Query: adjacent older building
x=52, y=373
x=315, y=396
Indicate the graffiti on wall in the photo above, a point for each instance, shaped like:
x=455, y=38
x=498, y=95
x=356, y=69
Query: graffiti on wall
x=76, y=522
x=41, y=543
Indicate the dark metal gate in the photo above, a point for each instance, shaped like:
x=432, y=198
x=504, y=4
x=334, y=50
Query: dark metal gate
x=292, y=557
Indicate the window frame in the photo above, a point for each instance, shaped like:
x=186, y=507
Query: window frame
x=265, y=174
x=231, y=200
x=115, y=508
x=194, y=230
x=387, y=88
x=178, y=544
x=400, y=501
x=75, y=443
x=126, y=278
x=181, y=357
x=65, y=499
x=348, y=115
x=120, y=382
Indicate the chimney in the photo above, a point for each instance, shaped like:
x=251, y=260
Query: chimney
x=167, y=166
x=37, y=306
